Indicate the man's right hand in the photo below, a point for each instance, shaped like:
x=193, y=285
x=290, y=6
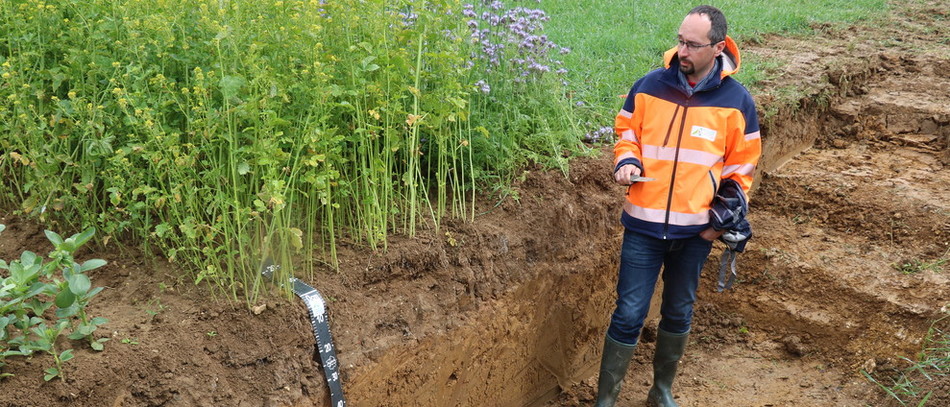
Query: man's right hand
x=625, y=173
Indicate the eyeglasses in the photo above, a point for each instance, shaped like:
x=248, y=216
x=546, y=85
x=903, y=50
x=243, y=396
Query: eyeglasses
x=692, y=45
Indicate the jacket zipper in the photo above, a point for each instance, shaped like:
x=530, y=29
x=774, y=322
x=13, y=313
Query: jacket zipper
x=670, y=129
x=676, y=160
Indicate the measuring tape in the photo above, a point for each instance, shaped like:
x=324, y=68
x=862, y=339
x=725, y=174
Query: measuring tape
x=316, y=307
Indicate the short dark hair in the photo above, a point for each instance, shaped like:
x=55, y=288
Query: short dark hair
x=717, y=33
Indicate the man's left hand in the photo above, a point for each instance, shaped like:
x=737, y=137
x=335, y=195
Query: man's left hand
x=711, y=234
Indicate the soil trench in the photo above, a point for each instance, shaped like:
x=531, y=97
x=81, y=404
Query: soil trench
x=819, y=299
x=846, y=272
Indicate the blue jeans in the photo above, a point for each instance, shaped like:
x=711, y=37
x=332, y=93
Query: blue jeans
x=640, y=260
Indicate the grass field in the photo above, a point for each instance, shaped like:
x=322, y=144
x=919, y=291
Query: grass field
x=615, y=43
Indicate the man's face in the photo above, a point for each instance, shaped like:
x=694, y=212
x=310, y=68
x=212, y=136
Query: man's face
x=695, y=52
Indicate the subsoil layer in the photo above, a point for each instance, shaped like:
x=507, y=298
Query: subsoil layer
x=511, y=309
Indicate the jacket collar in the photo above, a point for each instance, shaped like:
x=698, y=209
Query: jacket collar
x=729, y=62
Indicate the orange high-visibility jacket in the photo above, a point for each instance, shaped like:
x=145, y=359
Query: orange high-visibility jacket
x=689, y=142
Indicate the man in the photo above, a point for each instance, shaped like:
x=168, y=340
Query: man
x=693, y=129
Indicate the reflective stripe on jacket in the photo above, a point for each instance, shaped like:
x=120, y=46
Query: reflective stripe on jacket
x=689, y=142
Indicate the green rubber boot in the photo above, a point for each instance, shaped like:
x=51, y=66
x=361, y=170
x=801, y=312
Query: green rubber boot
x=669, y=350
x=613, y=367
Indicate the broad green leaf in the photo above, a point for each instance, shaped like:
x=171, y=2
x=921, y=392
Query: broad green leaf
x=97, y=344
x=86, y=330
x=368, y=64
x=3, y=265
x=67, y=312
x=24, y=276
x=51, y=374
x=65, y=299
x=28, y=258
x=243, y=168
x=92, y=293
x=84, y=237
x=71, y=270
x=54, y=238
x=92, y=264
x=231, y=85
x=98, y=321
x=66, y=355
x=7, y=306
x=2, y=227
x=40, y=287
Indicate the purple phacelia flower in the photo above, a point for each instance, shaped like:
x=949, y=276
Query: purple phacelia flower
x=483, y=86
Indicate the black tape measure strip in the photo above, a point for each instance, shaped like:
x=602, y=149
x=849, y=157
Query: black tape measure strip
x=316, y=308
x=321, y=331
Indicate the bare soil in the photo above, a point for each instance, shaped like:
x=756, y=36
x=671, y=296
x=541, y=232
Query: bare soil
x=510, y=310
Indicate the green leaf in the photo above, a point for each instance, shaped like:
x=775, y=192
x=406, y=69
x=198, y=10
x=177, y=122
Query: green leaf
x=69, y=245
x=83, y=331
x=66, y=355
x=296, y=238
x=368, y=64
x=28, y=258
x=67, y=312
x=84, y=237
x=97, y=344
x=39, y=287
x=51, y=374
x=38, y=307
x=2, y=227
x=92, y=264
x=92, y=293
x=71, y=270
x=98, y=321
x=162, y=229
x=243, y=168
x=231, y=85
x=65, y=298
x=55, y=238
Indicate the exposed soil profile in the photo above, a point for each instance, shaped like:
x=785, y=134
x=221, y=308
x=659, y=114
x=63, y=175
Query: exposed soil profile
x=511, y=310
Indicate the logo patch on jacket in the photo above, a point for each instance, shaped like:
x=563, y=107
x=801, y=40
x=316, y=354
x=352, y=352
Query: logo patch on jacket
x=703, y=133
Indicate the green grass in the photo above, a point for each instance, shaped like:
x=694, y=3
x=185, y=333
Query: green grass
x=916, y=384
x=935, y=265
x=615, y=43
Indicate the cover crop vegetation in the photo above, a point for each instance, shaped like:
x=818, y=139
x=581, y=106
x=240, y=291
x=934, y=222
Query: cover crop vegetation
x=221, y=132
x=37, y=306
